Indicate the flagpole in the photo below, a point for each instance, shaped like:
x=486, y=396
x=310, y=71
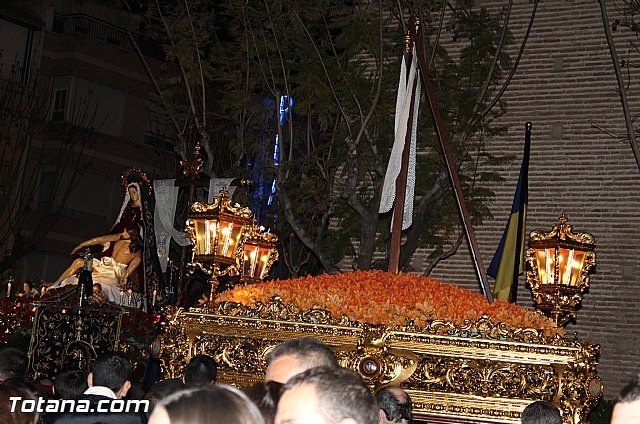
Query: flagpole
x=401, y=181
x=513, y=295
x=450, y=162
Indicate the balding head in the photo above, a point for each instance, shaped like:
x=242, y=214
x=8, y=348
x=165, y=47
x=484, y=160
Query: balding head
x=297, y=355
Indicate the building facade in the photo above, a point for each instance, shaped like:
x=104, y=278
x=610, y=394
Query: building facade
x=90, y=78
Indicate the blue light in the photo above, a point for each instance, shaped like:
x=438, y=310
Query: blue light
x=286, y=103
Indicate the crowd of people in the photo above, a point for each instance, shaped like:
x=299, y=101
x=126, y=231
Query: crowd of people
x=303, y=384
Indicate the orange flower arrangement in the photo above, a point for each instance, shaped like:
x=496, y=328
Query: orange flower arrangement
x=378, y=297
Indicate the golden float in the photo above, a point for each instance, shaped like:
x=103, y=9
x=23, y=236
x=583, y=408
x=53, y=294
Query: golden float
x=461, y=359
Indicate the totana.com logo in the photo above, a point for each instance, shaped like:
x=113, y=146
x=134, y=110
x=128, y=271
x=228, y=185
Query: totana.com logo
x=80, y=405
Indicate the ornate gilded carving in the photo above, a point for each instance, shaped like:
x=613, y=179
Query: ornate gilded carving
x=481, y=377
x=222, y=204
x=562, y=231
x=277, y=310
x=480, y=369
x=192, y=166
x=558, y=268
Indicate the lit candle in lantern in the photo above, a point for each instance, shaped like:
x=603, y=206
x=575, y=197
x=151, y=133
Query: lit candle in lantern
x=199, y=238
x=568, y=268
x=153, y=300
x=9, y=289
x=264, y=259
x=226, y=239
x=550, y=266
x=207, y=238
x=253, y=259
x=129, y=296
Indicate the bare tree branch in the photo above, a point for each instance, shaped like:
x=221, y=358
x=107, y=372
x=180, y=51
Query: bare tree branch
x=507, y=82
x=621, y=89
x=485, y=86
x=444, y=254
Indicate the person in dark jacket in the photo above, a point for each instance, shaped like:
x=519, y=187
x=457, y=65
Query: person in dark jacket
x=103, y=401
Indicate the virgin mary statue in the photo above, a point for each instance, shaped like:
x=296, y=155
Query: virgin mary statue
x=139, y=282
x=147, y=282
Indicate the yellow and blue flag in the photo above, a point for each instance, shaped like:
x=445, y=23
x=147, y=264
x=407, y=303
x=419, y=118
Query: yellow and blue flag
x=508, y=261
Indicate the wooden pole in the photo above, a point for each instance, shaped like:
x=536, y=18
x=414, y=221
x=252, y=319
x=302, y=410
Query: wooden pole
x=451, y=165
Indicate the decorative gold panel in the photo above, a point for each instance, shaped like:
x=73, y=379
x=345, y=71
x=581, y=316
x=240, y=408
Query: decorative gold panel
x=480, y=370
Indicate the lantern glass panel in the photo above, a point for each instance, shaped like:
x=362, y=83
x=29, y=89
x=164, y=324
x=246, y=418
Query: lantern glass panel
x=211, y=230
x=545, y=259
x=570, y=263
x=229, y=238
x=201, y=225
x=255, y=261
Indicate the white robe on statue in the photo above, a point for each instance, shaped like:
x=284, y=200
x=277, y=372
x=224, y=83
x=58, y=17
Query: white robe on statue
x=107, y=273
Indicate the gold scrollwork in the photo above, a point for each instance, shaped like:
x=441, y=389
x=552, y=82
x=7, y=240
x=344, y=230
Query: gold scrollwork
x=485, y=370
x=378, y=366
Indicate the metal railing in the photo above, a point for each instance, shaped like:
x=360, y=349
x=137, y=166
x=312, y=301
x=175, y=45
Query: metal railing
x=97, y=29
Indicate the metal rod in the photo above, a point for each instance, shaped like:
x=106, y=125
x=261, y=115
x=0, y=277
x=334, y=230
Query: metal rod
x=451, y=166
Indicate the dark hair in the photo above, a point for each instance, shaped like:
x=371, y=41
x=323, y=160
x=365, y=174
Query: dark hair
x=70, y=384
x=541, y=412
x=13, y=363
x=630, y=392
x=341, y=394
x=309, y=351
x=135, y=244
x=395, y=403
x=201, y=370
x=265, y=395
x=18, y=416
x=111, y=370
x=164, y=388
x=214, y=404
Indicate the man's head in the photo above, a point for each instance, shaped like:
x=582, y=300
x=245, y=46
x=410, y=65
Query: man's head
x=326, y=395
x=295, y=356
x=70, y=384
x=627, y=408
x=541, y=412
x=394, y=404
x=200, y=371
x=13, y=363
x=111, y=370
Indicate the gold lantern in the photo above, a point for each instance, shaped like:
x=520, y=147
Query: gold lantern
x=259, y=253
x=559, y=263
x=217, y=232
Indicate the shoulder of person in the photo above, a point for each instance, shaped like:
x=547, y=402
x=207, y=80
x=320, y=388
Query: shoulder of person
x=93, y=416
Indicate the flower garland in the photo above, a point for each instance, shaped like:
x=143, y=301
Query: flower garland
x=378, y=297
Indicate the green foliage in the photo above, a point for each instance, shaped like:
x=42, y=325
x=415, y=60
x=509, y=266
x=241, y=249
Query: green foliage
x=340, y=62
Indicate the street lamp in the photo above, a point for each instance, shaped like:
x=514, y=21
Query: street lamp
x=559, y=263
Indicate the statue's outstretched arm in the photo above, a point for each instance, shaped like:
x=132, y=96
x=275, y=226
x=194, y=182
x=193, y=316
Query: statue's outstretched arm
x=96, y=240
